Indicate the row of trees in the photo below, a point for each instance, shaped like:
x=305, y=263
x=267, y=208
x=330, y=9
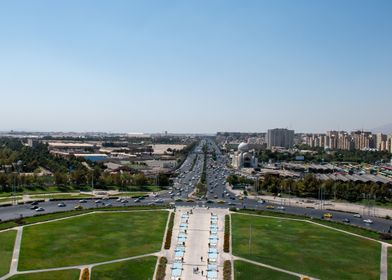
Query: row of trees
x=320, y=155
x=235, y=180
x=80, y=179
x=13, y=150
x=310, y=186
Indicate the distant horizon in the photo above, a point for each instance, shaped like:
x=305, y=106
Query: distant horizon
x=182, y=132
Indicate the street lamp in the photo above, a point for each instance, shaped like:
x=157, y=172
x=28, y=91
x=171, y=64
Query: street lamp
x=17, y=166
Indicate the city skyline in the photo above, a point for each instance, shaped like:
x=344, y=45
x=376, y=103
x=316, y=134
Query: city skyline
x=195, y=66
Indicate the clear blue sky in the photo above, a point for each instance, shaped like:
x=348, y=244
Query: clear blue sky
x=195, y=66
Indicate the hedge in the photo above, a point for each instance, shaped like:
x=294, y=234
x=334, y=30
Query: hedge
x=85, y=274
x=169, y=232
x=161, y=271
x=227, y=270
x=226, y=242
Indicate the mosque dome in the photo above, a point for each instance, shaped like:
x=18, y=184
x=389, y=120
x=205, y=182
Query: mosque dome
x=243, y=147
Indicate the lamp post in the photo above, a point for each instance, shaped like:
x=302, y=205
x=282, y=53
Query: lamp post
x=17, y=166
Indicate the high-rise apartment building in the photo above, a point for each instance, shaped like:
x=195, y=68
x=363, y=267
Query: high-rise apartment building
x=363, y=140
x=280, y=137
x=381, y=142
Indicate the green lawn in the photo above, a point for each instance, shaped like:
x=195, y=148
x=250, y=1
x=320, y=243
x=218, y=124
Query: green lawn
x=389, y=263
x=305, y=248
x=7, y=241
x=92, y=238
x=151, y=188
x=140, y=269
x=247, y=271
x=130, y=194
x=346, y=227
x=61, y=196
x=72, y=274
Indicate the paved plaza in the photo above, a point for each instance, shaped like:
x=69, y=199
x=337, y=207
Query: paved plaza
x=197, y=244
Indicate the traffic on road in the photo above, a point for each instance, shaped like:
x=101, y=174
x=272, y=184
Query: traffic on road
x=182, y=194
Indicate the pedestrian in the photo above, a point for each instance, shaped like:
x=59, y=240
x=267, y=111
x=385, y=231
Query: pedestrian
x=201, y=258
x=202, y=273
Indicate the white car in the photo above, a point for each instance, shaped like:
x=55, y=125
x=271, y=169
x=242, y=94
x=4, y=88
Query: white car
x=368, y=221
x=357, y=215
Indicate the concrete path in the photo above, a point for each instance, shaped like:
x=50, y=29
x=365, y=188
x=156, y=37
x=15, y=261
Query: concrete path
x=15, y=254
x=384, y=262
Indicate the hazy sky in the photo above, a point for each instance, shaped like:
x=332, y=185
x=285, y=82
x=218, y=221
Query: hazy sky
x=195, y=66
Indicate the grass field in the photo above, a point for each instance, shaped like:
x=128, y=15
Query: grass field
x=91, y=238
x=350, y=228
x=130, y=194
x=390, y=263
x=141, y=269
x=71, y=274
x=246, y=271
x=51, y=216
x=7, y=241
x=305, y=248
x=61, y=196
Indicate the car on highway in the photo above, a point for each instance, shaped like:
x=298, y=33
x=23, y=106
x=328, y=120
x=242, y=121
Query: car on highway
x=82, y=201
x=345, y=220
x=327, y=216
x=357, y=215
x=368, y=221
x=61, y=204
x=78, y=207
x=270, y=207
x=34, y=203
x=281, y=208
x=40, y=209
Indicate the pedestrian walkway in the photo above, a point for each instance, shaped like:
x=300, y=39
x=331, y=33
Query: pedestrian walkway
x=199, y=231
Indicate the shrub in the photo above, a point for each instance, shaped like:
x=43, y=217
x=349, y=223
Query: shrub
x=169, y=232
x=85, y=274
x=161, y=271
x=226, y=241
x=385, y=236
x=227, y=270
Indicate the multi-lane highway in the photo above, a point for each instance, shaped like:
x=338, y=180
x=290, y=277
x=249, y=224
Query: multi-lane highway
x=188, y=175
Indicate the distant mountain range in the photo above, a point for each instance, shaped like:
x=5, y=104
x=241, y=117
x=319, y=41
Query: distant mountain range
x=386, y=129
